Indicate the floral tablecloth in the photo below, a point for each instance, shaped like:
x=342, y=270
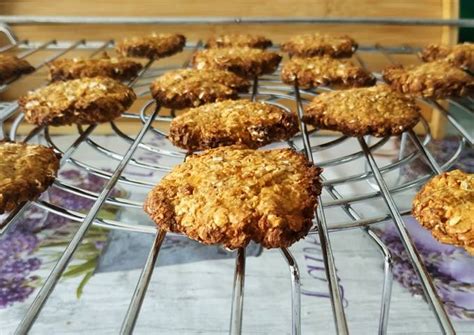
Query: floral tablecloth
x=31, y=247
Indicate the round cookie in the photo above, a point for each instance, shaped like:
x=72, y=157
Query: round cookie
x=445, y=205
x=246, y=62
x=310, y=45
x=436, y=80
x=112, y=67
x=191, y=88
x=151, y=46
x=377, y=111
x=325, y=71
x=26, y=171
x=460, y=55
x=78, y=101
x=11, y=66
x=253, y=124
x=238, y=40
x=231, y=195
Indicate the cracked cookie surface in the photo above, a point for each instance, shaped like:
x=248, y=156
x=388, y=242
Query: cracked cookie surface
x=253, y=124
x=445, y=205
x=436, y=80
x=239, y=40
x=151, y=46
x=185, y=88
x=460, y=55
x=113, y=67
x=325, y=71
x=316, y=44
x=377, y=111
x=11, y=66
x=26, y=171
x=78, y=101
x=246, y=62
x=231, y=195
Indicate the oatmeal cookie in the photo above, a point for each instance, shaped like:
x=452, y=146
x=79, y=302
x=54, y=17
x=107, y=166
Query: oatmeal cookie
x=112, y=67
x=253, y=124
x=232, y=195
x=460, y=55
x=377, y=111
x=310, y=45
x=325, y=71
x=436, y=80
x=151, y=46
x=26, y=171
x=238, y=40
x=11, y=67
x=191, y=88
x=445, y=205
x=246, y=62
x=78, y=101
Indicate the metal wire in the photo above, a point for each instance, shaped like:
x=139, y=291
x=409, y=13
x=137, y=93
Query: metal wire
x=295, y=291
x=18, y=211
x=415, y=258
x=36, y=19
x=272, y=94
x=142, y=284
x=140, y=290
x=329, y=264
x=12, y=46
x=236, y=313
x=388, y=277
x=51, y=281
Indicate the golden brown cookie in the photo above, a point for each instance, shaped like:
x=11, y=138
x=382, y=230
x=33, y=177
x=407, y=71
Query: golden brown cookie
x=26, y=171
x=429, y=80
x=78, y=101
x=246, y=62
x=325, y=71
x=151, y=46
x=113, y=67
x=377, y=111
x=238, y=40
x=253, y=124
x=11, y=67
x=460, y=55
x=231, y=195
x=445, y=205
x=191, y=88
x=310, y=45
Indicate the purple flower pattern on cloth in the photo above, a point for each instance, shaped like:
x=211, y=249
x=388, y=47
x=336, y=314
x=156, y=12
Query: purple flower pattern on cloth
x=17, y=265
x=18, y=247
x=451, y=268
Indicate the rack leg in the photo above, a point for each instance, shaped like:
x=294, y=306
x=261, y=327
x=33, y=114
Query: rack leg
x=388, y=276
x=50, y=283
x=238, y=294
x=415, y=258
x=255, y=88
x=328, y=256
x=387, y=282
x=142, y=285
x=295, y=291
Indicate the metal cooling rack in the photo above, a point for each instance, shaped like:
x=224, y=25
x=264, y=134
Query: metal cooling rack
x=269, y=89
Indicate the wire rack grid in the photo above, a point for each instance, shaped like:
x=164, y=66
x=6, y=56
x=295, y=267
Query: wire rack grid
x=270, y=89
